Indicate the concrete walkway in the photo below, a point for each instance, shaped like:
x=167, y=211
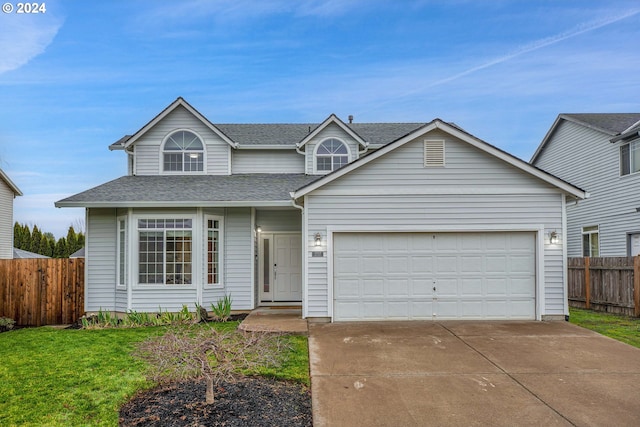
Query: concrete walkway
x=471, y=374
x=286, y=320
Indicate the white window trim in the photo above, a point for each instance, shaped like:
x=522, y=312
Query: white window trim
x=595, y=231
x=119, y=285
x=315, y=155
x=629, y=144
x=162, y=152
x=136, y=259
x=205, y=249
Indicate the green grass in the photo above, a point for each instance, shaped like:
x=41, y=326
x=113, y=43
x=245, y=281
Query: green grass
x=81, y=377
x=621, y=328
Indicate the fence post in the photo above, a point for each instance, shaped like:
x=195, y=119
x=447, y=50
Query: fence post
x=636, y=285
x=587, y=283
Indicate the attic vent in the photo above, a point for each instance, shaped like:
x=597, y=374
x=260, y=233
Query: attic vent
x=433, y=153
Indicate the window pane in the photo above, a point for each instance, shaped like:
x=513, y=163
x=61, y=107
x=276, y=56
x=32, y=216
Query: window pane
x=323, y=163
x=150, y=265
x=172, y=162
x=178, y=260
x=121, y=253
x=193, y=162
x=585, y=245
x=212, y=255
x=267, y=265
x=624, y=159
x=635, y=156
x=339, y=161
x=595, y=247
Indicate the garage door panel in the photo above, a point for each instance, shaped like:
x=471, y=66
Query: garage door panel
x=373, y=287
x=346, y=265
x=522, y=287
x=421, y=264
x=396, y=264
x=472, y=287
x=475, y=276
x=471, y=264
x=446, y=264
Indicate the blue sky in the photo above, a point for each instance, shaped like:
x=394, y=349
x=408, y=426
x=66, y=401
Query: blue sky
x=79, y=76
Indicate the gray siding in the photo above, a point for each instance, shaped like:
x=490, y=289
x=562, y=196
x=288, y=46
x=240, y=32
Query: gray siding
x=238, y=242
x=6, y=221
x=475, y=191
x=100, y=283
x=331, y=131
x=147, y=148
x=587, y=159
x=266, y=161
x=279, y=220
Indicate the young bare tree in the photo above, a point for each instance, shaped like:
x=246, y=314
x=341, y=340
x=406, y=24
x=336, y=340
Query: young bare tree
x=203, y=352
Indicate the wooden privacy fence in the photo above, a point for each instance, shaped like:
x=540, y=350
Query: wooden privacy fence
x=40, y=291
x=609, y=284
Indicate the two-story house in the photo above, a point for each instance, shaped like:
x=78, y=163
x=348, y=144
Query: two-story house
x=8, y=192
x=352, y=221
x=600, y=153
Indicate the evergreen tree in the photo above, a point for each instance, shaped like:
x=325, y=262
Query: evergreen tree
x=60, y=250
x=36, y=237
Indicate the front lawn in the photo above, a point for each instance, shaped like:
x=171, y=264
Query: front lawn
x=81, y=377
x=621, y=328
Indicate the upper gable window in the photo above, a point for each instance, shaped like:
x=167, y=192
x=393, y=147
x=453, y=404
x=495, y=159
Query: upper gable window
x=331, y=154
x=183, y=152
x=630, y=158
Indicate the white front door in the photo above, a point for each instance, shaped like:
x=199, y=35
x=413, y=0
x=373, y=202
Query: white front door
x=280, y=267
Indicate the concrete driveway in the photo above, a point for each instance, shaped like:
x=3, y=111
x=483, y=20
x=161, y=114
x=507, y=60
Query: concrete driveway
x=471, y=373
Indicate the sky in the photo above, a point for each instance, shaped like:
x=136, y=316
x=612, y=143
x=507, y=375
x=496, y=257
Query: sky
x=79, y=75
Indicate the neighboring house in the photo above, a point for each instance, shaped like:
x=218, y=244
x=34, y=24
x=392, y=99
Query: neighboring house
x=22, y=254
x=600, y=153
x=78, y=254
x=8, y=192
x=350, y=220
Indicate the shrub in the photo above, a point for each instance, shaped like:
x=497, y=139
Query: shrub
x=222, y=309
x=202, y=351
x=6, y=324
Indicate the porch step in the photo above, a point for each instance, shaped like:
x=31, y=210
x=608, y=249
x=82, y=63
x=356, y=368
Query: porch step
x=266, y=319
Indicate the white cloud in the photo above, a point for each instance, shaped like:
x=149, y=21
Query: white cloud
x=23, y=37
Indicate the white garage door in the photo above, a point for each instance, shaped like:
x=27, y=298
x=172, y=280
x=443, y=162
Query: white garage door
x=379, y=276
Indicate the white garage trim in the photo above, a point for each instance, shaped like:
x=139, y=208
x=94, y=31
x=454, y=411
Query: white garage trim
x=539, y=251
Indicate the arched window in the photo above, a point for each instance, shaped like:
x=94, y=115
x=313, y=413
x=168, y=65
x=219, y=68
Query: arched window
x=183, y=152
x=331, y=154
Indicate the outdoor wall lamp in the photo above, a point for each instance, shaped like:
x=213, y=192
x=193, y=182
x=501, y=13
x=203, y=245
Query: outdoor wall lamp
x=318, y=239
x=259, y=229
x=554, y=238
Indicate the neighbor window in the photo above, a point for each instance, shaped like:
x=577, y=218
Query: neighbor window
x=183, y=151
x=122, y=252
x=630, y=158
x=165, y=251
x=590, y=241
x=214, y=240
x=331, y=154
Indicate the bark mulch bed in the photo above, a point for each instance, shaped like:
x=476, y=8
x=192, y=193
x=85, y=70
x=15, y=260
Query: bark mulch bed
x=247, y=402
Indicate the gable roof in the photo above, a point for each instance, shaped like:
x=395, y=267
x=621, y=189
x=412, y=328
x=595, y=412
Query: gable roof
x=610, y=124
x=127, y=140
x=10, y=183
x=191, y=190
x=332, y=119
x=456, y=132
